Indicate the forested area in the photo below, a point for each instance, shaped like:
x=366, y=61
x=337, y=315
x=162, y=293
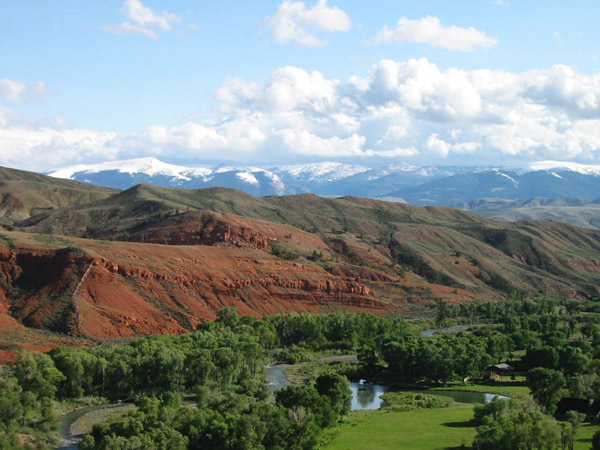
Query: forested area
x=208, y=389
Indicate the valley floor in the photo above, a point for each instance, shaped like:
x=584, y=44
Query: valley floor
x=432, y=429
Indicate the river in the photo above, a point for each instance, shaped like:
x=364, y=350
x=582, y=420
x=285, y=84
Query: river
x=64, y=426
x=367, y=396
x=67, y=439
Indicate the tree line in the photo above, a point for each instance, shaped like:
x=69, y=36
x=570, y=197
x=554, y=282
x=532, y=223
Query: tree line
x=218, y=368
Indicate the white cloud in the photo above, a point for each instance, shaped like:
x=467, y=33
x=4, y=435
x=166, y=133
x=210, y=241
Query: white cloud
x=399, y=109
x=295, y=23
x=562, y=87
x=421, y=86
x=302, y=142
x=443, y=148
x=143, y=21
x=399, y=152
x=429, y=30
x=291, y=88
x=28, y=145
x=19, y=92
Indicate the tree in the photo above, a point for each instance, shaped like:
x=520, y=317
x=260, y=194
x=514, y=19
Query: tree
x=515, y=424
x=37, y=373
x=546, y=387
x=228, y=317
x=307, y=397
x=569, y=428
x=443, y=313
x=596, y=441
x=336, y=388
x=544, y=356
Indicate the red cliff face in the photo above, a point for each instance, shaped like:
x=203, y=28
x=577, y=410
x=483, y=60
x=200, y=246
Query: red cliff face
x=129, y=289
x=206, y=228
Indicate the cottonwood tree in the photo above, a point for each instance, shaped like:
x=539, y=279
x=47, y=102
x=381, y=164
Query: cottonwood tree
x=546, y=387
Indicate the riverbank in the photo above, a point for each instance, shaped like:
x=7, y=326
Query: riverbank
x=74, y=424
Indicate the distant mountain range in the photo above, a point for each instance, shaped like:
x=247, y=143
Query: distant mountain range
x=88, y=262
x=431, y=185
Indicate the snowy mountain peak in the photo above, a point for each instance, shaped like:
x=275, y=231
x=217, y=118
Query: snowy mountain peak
x=323, y=172
x=149, y=166
x=584, y=169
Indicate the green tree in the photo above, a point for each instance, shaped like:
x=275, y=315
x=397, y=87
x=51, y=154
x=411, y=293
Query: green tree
x=596, y=441
x=336, y=388
x=307, y=397
x=546, y=387
x=37, y=373
x=515, y=424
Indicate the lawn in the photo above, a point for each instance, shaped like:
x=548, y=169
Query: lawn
x=584, y=436
x=509, y=388
x=444, y=428
x=421, y=429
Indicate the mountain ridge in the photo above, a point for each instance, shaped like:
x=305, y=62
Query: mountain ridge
x=152, y=259
x=429, y=185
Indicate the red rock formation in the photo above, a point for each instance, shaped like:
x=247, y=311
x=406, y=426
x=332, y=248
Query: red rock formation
x=204, y=228
x=130, y=289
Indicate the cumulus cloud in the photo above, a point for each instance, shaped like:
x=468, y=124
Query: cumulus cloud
x=398, y=109
x=563, y=87
x=430, y=31
x=142, y=21
x=42, y=144
x=443, y=148
x=19, y=92
x=296, y=23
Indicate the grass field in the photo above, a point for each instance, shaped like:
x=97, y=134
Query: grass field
x=584, y=436
x=421, y=429
x=508, y=389
x=430, y=429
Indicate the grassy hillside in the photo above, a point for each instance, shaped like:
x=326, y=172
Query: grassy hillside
x=432, y=251
x=25, y=194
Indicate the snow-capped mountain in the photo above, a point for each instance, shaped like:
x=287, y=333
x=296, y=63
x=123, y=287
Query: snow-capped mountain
x=504, y=184
x=150, y=166
x=431, y=185
x=319, y=173
x=128, y=173
x=584, y=169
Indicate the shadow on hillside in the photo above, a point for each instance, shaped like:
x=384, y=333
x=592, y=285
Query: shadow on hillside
x=463, y=424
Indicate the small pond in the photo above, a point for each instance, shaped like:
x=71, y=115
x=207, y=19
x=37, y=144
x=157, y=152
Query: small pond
x=366, y=396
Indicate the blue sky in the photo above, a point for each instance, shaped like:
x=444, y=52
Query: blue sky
x=272, y=82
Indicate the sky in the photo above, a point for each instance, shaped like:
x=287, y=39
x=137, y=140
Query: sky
x=477, y=82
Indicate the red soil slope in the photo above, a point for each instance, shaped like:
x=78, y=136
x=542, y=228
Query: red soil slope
x=117, y=289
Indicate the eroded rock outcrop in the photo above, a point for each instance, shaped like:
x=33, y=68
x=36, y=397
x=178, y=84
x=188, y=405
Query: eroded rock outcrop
x=130, y=289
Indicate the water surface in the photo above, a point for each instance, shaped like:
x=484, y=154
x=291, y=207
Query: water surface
x=277, y=379
x=367, y=396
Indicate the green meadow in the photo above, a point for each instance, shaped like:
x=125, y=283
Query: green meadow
x=427, y=429
x=419, y=429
